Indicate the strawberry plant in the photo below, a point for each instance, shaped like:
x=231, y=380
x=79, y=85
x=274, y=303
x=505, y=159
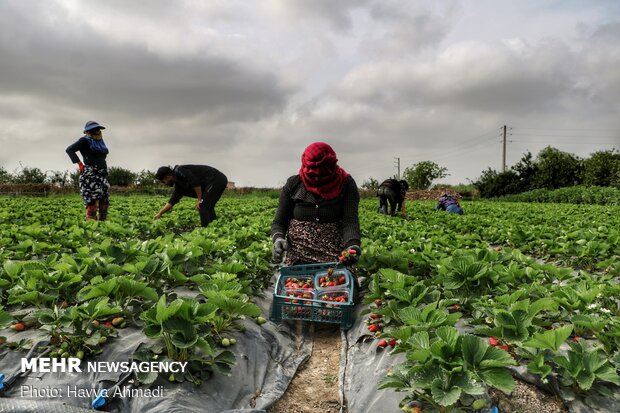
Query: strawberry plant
x=468, y=272
x=428, y=273
x=445, y=368
x=516, y=323
x=430, y=317
x=183, y=326
x=125, y=292
x=584, y=368
x=5, y=318
x=73, y=331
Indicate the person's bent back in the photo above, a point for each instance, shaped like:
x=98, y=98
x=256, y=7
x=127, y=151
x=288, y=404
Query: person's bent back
x=393, y=192
x=449, y=204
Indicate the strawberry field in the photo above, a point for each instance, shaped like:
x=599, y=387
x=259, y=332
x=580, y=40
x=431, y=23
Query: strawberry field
x=453, y=307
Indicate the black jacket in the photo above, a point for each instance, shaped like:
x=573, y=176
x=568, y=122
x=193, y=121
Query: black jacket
x=395, y=186
x=296, y=202
x=187, y=177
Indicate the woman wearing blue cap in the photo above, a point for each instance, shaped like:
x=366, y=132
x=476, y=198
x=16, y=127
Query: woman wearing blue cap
x=94, y=185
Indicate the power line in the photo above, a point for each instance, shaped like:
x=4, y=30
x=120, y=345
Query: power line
x=564, y=136
x=572, y=129
x=565, y=143
x=465, y=144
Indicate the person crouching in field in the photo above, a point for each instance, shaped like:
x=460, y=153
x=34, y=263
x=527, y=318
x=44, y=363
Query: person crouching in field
x=393, y=192
x=317, y=216
x=449, y=203
x=94, y=185
x=202, y=182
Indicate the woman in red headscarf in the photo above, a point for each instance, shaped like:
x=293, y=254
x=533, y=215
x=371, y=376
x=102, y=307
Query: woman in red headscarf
x=317, y=217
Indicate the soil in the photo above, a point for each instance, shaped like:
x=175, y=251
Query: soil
x=526, y=398
x=430, y=194
x=316, y=385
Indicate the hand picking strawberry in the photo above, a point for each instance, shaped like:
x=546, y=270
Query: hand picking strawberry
x=350, y=255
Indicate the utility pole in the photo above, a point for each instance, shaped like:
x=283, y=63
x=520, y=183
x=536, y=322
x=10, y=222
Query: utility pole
x=397, y=165
x=504, y=150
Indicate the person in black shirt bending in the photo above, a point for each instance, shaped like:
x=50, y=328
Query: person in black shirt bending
x=94, y=185
x=393, y=192
x=317, y=217
x=202, y=182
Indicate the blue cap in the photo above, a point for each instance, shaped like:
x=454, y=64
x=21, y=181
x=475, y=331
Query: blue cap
x=91, y=124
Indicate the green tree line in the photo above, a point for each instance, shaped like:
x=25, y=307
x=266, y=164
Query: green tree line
x=117, y=176
x=550, y=169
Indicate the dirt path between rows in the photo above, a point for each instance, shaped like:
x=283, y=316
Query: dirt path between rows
x=315, y=387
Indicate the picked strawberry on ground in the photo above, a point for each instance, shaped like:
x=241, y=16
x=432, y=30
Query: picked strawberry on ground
x=382, y=343
x=18, y=327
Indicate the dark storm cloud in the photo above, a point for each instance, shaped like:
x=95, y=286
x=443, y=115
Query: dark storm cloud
x=409, y=27
x=246, y=85
x=65, y=63
x=337, y=13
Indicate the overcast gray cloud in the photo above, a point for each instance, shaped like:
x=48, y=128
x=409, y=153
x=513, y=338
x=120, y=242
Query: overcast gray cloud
x=245, y=86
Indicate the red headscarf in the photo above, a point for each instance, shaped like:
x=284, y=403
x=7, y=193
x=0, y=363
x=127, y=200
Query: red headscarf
x=320, y=172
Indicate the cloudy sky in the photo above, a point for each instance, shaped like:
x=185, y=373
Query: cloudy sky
x=246, y=85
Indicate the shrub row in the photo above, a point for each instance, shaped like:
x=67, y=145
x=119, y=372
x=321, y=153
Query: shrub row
x=573, y=195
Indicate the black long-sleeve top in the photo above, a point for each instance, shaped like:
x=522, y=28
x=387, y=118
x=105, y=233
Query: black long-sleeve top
x=187, y=177
x=91, y=158
x=296, y=202
x=396, y=187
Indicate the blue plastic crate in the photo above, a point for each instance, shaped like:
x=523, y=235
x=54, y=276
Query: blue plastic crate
x=285, y=307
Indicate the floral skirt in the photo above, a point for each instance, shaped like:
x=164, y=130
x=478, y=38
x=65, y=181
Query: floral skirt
x=94, y=185
x=313, y=242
